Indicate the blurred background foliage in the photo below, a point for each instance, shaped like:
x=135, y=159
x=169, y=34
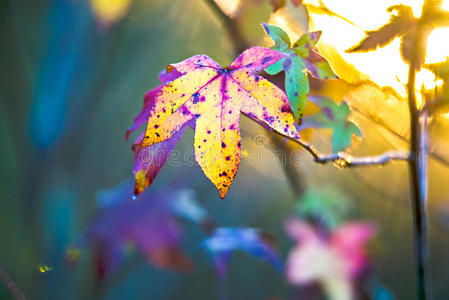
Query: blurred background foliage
x=73, y=74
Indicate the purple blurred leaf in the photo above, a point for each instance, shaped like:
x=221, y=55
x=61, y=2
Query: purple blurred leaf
x=147, y=224
x=225, y=240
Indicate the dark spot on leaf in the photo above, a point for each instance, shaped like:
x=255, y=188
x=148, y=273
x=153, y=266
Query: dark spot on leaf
x=286, y=109
x=266, y=59
x=223, y=145
x=196, y=98
x=328, y=112
x=286, y=64
x=228, y=157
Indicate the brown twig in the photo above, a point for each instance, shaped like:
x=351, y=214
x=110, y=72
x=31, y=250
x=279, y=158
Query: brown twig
x=418, y=166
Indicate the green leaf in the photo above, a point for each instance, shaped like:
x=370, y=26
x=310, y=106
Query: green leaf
x=335, y=117
x=279, y=37
x=306, y=42
x=301, y=59
x=326, y=204
x=342, y=136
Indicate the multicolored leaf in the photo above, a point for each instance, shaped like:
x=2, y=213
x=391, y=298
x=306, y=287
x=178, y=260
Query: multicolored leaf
x=333, y=116
x=333, y=260
x=225, y=240
x=301, y=59
x=213, y=97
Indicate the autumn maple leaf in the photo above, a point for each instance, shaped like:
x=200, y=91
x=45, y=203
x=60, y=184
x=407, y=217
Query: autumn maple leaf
x=214, y=97
x=404, y=25
x=401, y=22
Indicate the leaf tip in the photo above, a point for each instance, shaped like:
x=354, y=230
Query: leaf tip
x=266, y=28
x=127, y=134
x=169, y=68
x=316, y=35
x=223, y=192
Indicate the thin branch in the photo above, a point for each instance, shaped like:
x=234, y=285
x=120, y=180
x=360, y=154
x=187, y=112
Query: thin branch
x=345, y=160
x=11, y=285
x=371, y=117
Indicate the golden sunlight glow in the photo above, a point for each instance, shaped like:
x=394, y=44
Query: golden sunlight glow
x=229, y=7
x=385, y=65
x=445, y=5
x=438, y=45
x=110, y=11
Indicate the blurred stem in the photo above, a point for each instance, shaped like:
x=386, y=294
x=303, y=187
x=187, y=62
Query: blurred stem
x=294, y=176
x=418, y=169
x=11, y=285
x=222, y=286
x=239, y=42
